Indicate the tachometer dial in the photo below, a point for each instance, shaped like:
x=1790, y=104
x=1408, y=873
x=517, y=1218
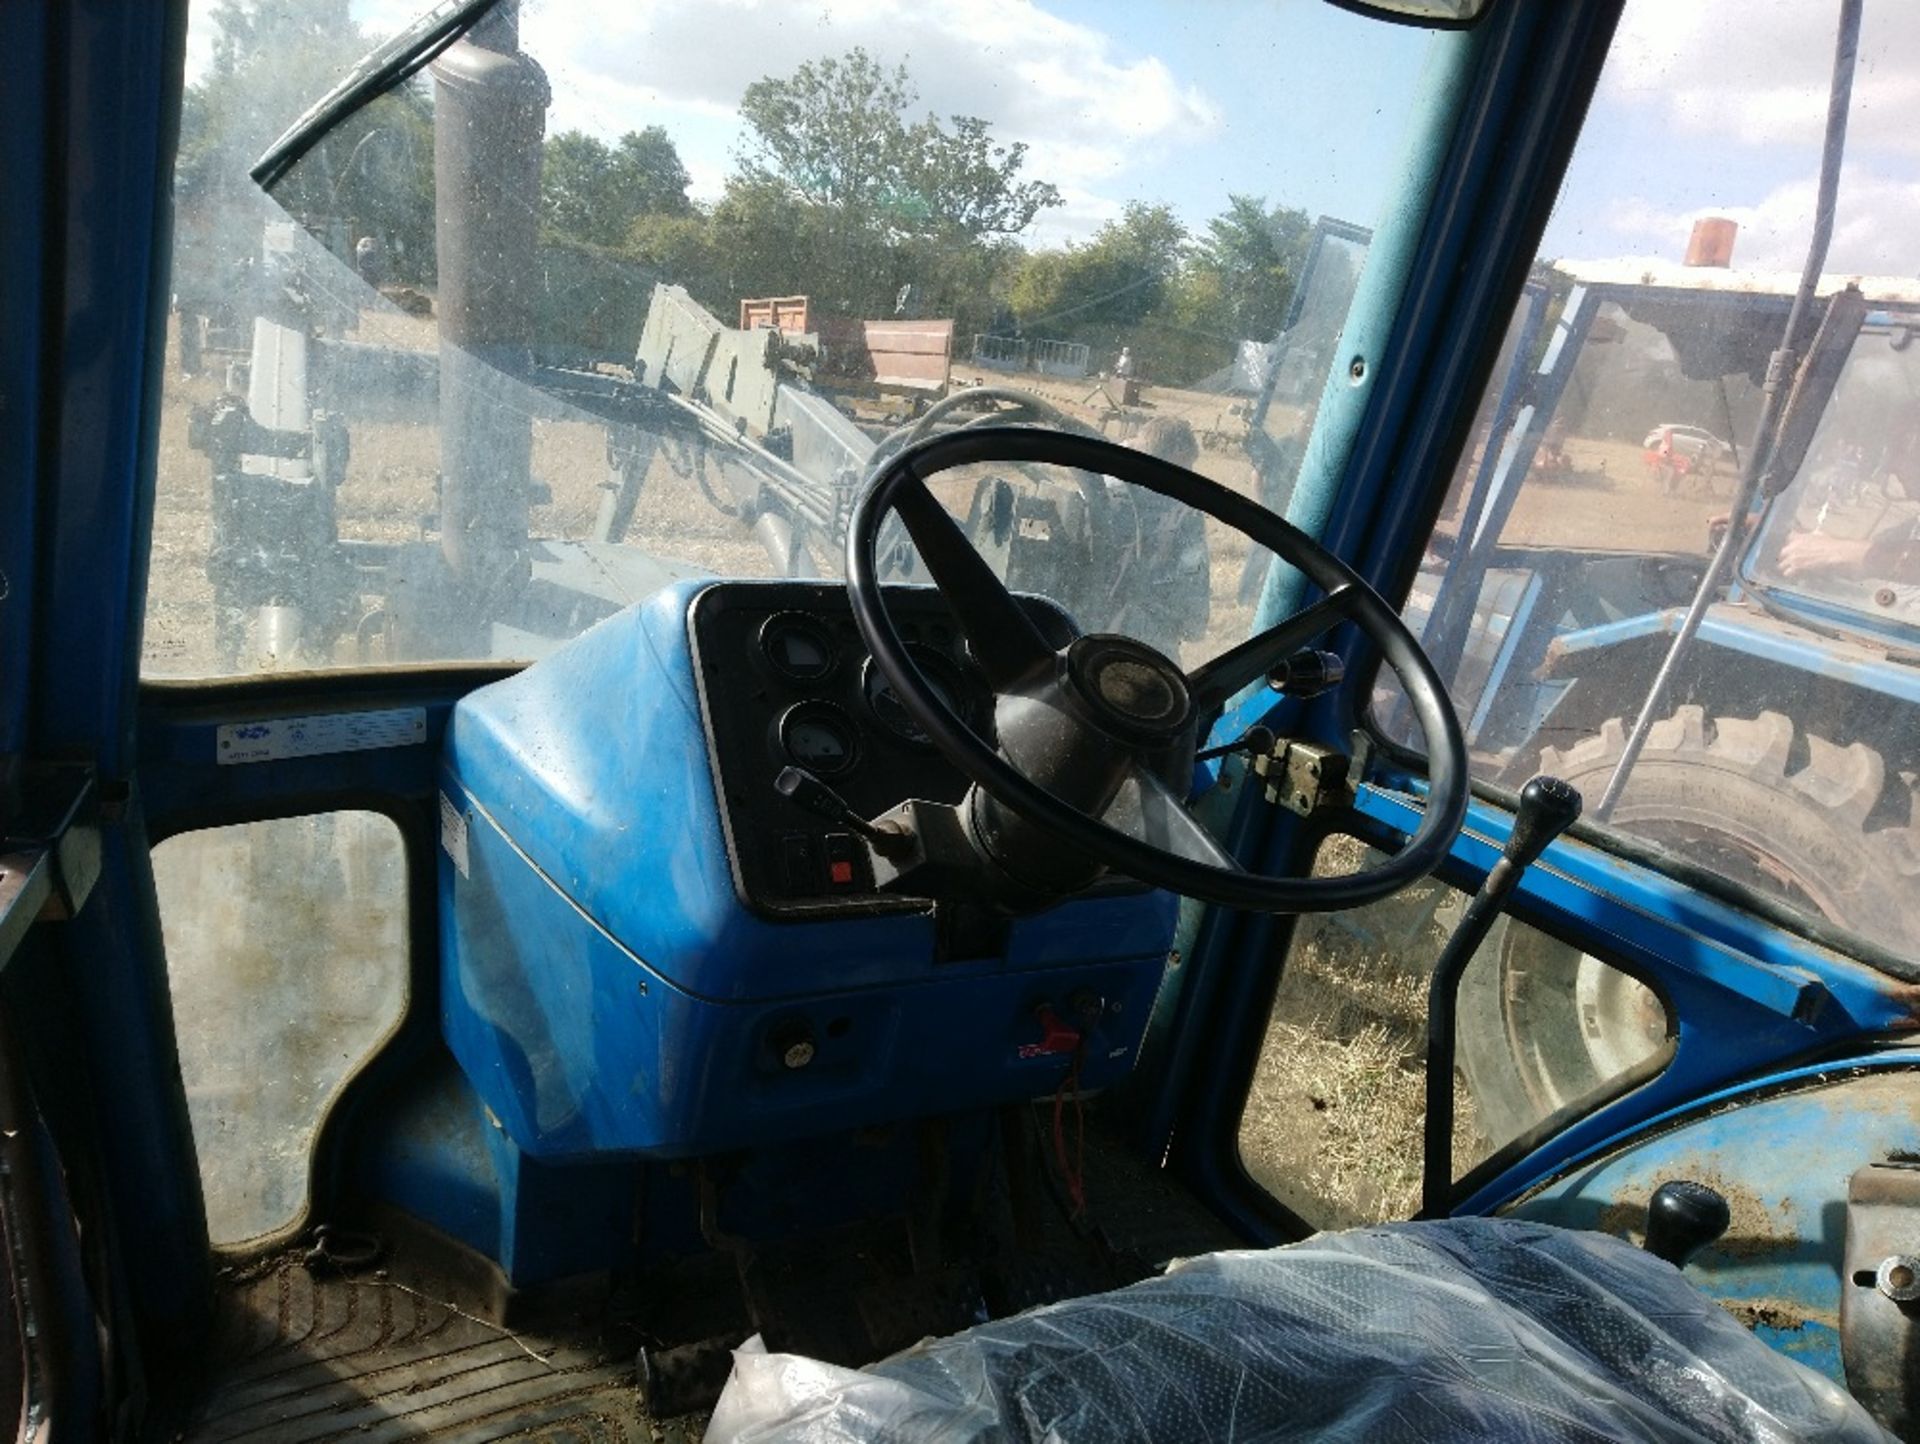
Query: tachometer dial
x=943, y=675
x=819, y=737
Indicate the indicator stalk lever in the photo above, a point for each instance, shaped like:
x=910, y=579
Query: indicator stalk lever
x=802, y=787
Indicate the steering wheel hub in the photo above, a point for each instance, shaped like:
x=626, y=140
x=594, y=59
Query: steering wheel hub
x=1132, y=688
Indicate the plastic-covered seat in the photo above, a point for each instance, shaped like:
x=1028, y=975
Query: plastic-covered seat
x=1478, y=1329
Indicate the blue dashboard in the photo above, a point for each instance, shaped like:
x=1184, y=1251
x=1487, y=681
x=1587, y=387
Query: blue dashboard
x=646, y=950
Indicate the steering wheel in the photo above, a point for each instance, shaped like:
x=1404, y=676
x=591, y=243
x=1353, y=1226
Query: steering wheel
x=1097, y=737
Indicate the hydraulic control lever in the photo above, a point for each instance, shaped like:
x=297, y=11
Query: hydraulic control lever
x=1548, y=808
x=1683, y=1217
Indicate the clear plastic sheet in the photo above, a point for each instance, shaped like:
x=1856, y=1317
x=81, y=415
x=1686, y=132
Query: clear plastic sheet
x=1478, y=1329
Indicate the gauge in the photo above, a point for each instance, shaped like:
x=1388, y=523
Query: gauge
x=944, y=678
x=819, y=737
x=797, y=646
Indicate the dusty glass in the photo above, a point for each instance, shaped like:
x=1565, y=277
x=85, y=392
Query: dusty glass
x=1609, y=446
x=611, y=296
x=286, y=947
x=1332, y=1125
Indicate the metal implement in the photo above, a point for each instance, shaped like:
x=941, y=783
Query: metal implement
x=1305, y=777
x=1548, y=808
x=1880, y=1293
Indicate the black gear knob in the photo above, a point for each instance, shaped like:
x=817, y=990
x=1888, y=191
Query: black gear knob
x=1683, y=1217
x=1548, y=807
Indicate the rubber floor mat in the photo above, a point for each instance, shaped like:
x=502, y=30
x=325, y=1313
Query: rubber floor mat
x=300, y=1359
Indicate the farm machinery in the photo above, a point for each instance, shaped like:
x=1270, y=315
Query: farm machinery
x=792, y=930
x=1782, y=752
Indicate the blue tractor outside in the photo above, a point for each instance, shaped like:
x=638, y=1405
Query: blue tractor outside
x=1781, y=760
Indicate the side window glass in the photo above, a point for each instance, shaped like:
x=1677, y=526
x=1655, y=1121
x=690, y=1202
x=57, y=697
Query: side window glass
x=287, y=958
x=1778, y=750
x=1332, y=1124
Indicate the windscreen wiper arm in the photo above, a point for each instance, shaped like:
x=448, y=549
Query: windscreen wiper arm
x=382, y=68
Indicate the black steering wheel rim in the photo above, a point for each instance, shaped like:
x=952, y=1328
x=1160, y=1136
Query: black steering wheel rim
x=1446, y=802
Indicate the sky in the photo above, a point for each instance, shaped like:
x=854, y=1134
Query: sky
x=1706, y=106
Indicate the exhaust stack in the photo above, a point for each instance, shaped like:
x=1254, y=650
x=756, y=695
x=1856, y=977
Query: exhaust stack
x=1711, y=243
x=490, y=106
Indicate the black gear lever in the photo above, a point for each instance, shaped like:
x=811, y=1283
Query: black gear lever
x=1548, y=807
x=1683, y=1217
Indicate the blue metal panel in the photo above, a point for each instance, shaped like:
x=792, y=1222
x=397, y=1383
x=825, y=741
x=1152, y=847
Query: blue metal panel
x=1354, y=377
x=89, y=174
x=1652, y=914
x=1783, y=1162
x=426, y=1152
x=24, y=116
x=1750, y=1000
x=435, y=1153
x=594, y=763
x=580, y=1047
x=606, y=990
x=113, y=207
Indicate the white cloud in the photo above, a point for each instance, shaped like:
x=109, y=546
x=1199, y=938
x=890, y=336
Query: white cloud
x=1080, y=213
x=1758, y=70
x=1876, y=220
x=1087, y=112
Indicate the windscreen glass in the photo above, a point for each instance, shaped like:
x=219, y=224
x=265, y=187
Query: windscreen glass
x=1846, y=532
x=1779, y=753
x=611, y=296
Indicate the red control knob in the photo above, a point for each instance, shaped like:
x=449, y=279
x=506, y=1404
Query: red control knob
x=1056, y=1037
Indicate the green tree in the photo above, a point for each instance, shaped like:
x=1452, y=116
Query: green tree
x=839, y=195
x=1112, y=282
x=591, y=191
x=1257, y=254
x=832, y=131
x=958, y=181
x=371, y=175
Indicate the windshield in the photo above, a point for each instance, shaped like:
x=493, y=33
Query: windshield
x=610, y=296
x=1847, y=530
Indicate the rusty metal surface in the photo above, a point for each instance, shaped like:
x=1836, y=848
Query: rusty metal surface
x=1880, y=1294
x=899, y=355
x=779, y=313
x=1784, y=1163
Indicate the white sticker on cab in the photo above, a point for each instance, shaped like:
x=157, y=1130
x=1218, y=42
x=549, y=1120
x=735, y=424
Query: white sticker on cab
x=274, y=738
x=453, y=833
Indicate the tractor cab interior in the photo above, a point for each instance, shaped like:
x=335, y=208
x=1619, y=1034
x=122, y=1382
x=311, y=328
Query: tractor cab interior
x=721, y=727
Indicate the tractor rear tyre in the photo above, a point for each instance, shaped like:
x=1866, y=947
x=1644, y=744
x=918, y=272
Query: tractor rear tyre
x=1818, y=824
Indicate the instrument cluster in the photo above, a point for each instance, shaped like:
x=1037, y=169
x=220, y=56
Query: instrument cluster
x=786, y=679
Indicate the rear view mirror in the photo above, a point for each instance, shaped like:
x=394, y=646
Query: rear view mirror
x=1436, y=14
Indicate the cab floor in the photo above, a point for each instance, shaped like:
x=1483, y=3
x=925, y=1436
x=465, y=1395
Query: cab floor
x=300, y=1358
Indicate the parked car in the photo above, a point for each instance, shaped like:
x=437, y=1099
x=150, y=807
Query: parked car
x=1693, y=442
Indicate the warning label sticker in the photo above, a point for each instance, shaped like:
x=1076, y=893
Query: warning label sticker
x=281, y=737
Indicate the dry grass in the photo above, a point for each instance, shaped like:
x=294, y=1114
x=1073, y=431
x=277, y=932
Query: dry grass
x=1332, y=1126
